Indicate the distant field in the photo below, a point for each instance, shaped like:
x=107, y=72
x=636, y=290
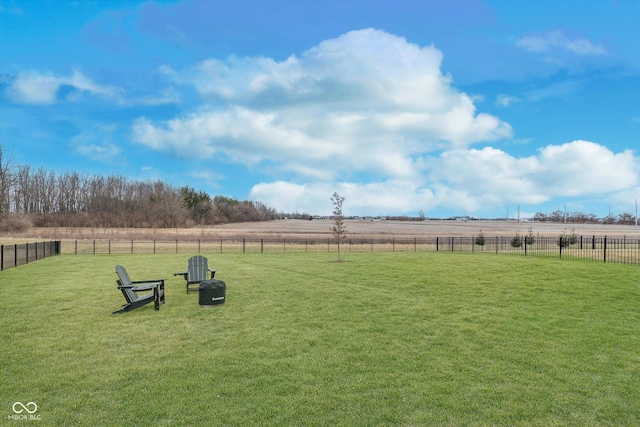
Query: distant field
x=321, y=229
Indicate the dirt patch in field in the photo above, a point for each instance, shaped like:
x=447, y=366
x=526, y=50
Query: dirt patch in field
x=281, y=229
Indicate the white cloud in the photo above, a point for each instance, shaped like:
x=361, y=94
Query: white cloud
x=559, y=40
x=581, y=168
x=470, y=181
x=163, y=97
x=30, y=88
x=578, y=168
x=506, y=100
x=382, y=126
x=107, y=152
x=340, y=108
x=96, y=144
x=45, y=88
x=377, y=198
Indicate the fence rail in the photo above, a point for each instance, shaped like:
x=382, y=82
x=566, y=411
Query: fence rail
x=603, y=249
x=15, y=255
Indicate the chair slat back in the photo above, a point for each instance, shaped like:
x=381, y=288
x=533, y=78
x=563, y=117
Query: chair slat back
x=123, y=275
x=198, y=266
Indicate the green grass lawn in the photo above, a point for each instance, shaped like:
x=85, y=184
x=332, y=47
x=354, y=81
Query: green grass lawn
x=410, y=339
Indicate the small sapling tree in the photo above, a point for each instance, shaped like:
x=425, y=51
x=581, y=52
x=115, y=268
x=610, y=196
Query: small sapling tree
x=338, y=229
x=567, y=239
x=516, y=242
x=480, y=239
x=529, y=239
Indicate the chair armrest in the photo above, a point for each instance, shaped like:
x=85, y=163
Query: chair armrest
x=213, y=272
x=182, y=273
x=147, y=287
x=149, y=281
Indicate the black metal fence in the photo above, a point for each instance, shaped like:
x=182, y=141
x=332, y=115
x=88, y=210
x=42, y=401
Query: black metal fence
x=15, y=255
x=602, y=249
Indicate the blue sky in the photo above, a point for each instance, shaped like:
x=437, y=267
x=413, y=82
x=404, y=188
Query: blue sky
x=450, y=107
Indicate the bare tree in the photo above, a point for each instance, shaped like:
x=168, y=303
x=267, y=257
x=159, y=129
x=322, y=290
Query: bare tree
x=43, y=198
x=626, y=218
x=21, y=195
x=6, y=182
x=338, y=229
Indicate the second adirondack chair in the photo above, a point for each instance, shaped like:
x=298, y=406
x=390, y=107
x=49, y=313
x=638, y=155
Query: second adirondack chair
x=136, y=293
x=198, y=267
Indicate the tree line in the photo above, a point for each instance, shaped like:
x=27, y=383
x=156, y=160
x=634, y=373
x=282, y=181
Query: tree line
x=43, y=198
x=584, y=218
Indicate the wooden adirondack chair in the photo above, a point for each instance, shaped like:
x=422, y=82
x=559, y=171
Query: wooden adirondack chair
x=134, y=291
x=197, y=272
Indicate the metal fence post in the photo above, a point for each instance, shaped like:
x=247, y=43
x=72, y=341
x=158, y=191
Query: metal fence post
x=604, y=251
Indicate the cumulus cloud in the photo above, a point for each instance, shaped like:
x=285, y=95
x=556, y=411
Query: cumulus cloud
x=366, y=101
x=582, y=168
x=46, y=88
x=474, y=180
x=559, y=40
x=372, y=116
x=376, y=198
